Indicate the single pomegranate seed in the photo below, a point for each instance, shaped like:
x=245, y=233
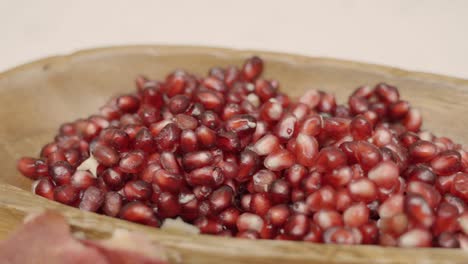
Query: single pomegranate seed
x=327, y=102
x=169, y=162
x=311, y=98
x=327, y=218
x=136, y=212
x=132, y=162
x=330, y=158
x=446, y=163
x=358, y=105
x=66, y=194
x=422, y=151
x=363, y=190
x=206, y=137
x=420, y=173
x=188, y=141
x=248, y=165
x=209, y=176
x=312, y=125
x=419, y=210
x=297, y=226
x=415, y=238
x=82, y=180
x=137, y=190
x=252, y=68
x=286, y=127
x=428, y=192
x=55, y=157
x=168, y=205
x=324, y=198
x=306, y=149
x=221, y=198
x=369, y=233
x=447, y=240
x=106, y=155
x=339, y=177
x=312, y=182
x=343, y=200
x=279, y=160
x=266, y=145
x=271, y=111
x=300, y=111
x=280, y=191
x=260, y=204
x=460, y=186
x=208, y=226
x=386, y=93
x=228, y=141
x=339, y=235
x=44, y=187
x=360, y=128
x=178, y=104
x=113, y=178
x=384, y=175
x=263, y=180
x=392, y=206
x=27, y=167
x=210, y=100
x=413, y=120
x=249, y=222
x=92, y=199
x=229, y=217
x=128, y=103
x=278, y=215
x=395, y=225
x=144, y=141
x=112, y=204
x=168, y=138
x=446, y=219
x=356, y=215
x=61, y=172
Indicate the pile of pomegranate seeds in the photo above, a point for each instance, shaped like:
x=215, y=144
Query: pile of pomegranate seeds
x=233, y=156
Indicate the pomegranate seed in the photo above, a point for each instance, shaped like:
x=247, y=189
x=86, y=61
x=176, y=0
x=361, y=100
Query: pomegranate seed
x=188, y=141
x=369, y=233
x=221, y=198
x=338, y=235
x=168, y=205
x=446, y=219
x=419, y=210
x=229, y=217
x=168, y=138
x=324, y=198
x=314, y=235
x=415, y=238
x=259, y=204
x=44, y=187
x=358, y=104
x=286, y=127
x=61, y=172
x=252, y=68
x=413, y=120
x=363, y=190
x=360, y=128
x=279, y=160
x=263, y=180
x=356, y=215
x=248, y=164
x=27, y=167
x=132, y=162
x=136, y=212
x=208, y=226
x=420, y=173
x=392, y=206
x=280, y=191
x=386, y=93
x=297, y=226
x=312, y=125
x=306, y=149
x=278, y=215
x=446, y=163
x=112, y=204
x=447, y=240
x=266, y=145
x=113, y=178
x=311, y=98
x=384, y=175
x=422, y=151
x=66, y=194
x=330, y=158
x=428, y=192
x=343, y=200
x=339, y=177
x=398, y=110
x=205, y=137
x=137, y=190
x=460, y=186
x=82, y=180
x=395, y=225
x=327, y=218
x=92, y=199
x=209, y=176
x=327, y=103
x=128, y=103
x=105, y=155
x=249, y=222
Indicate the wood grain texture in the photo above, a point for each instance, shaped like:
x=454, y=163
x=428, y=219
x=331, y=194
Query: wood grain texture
x=36, y=98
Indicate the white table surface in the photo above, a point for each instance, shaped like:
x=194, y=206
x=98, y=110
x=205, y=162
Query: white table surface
x=422, y=35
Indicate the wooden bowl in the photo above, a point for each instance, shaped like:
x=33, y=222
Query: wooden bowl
x=36, y=98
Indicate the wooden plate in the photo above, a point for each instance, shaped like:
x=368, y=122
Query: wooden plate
x=36, y=98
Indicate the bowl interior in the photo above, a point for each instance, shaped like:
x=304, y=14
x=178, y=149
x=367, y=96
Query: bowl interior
x=36, y=98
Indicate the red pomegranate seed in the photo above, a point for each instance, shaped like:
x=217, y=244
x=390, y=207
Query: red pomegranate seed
x=312, y=125
x=327, y=218
x=44, y=187
x=311, y=98
x=420, y=173
x=312, y=182
x=360, y=128
x=252, y=68
x=324, y=198
x=422, y=151
x=369, y=233
x=413, y=120
x=271, y=111
x=169, y=162
x=105, y=155
x=339, y=235
x=82, y=180
x=446, y=163
x=306, y=149
x=297, y=226
x=339, y=177
x=392, y=206
x=149, y=114
x=384, y=175
x=228, y=141
x=168, y=205
x=248, y=165
x=382, y=137
x=327, y=102
x=208, y=226
x=279, y=160
x=61, y=172
x=460, y=186
x=178, y=104
x=55, y=157
x=128, y=103
x=229, y=217
x=260, y=204
x=419, y=210
x=362, y=190
x=395, y=225
x=66, y=194
x=277, y=215
x=447, y=240
x=247, y=235
x=132, y=162
x=168, y=138
x=446, y=219
x=144, y=141
x=386, y=93
x=415, y=238
x=263, y=180
x=27, y=167
x=266, y=145
x=428, y=192
x=210, y=100
x=286, y=127
x=206, y=137
x=136, y=212
x=113, y=178
x=356, y=215
x=330, y=158
x=221, y=199
x=343, y=200
x=137, y=190
x=280, y=191
x=92, y=199
x=188, y=141
x=249, y=222
x=210, y=176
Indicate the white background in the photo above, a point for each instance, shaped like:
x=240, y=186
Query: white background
x=422, y=35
